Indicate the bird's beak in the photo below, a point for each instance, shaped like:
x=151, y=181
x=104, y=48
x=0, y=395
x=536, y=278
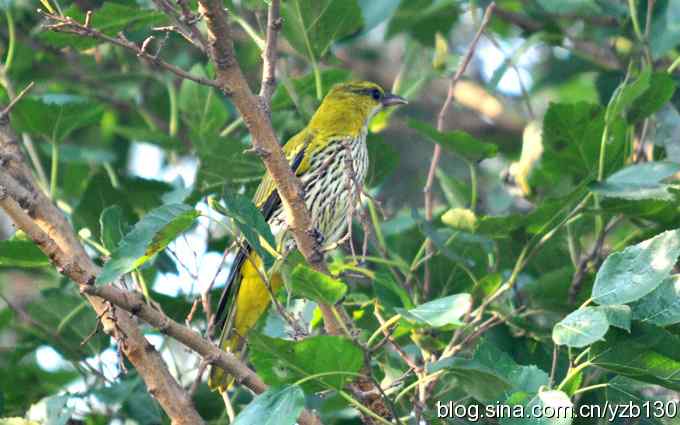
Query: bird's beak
x=390, y=99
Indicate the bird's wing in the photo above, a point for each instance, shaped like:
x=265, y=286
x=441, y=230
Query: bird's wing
x=266, y=197
x=267, y=200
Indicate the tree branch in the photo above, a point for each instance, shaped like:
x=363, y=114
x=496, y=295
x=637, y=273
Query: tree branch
x=69, y=25
x=597, y=53
x=33, y=212
x=134, y=303
x=427, y=190
x=230, y=77
x=269, y=54
x=185, y=22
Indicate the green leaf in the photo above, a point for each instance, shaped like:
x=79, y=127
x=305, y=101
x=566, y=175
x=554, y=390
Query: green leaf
x=456, y=191
x=19, y=252
x=565, y=126
x=626, y=391
x=527, y=379
x=390, y=294
x=383, y=160
x=458, y=142
x=624, y=96
x=618, y=315
x=556, y=402
x=69, y=153
x=130, y=394
x=223, y=164
x=280, y=361
x=584, y=7
x=376, y=11
x=661, y=306
x=111, y=227
x=440, y=236
x=423, y=19
x=201, y=107
x=316, y=286
x=649, y=353
x=145, y=135
x=639, y=181
x=54, y=116
x=549, y=212
x=665, y=28
x=440, y=312
x=313, y=25
x=550, y=290
x=572, y=135
x=660, y=91
x=667, y=128
x=250, y=222
x=636, y=271
x=134, y=195
x=276, y=406
x=149, y=236
x=34, y=382
x=110, y=19
x=480, y=381
x=581, y=328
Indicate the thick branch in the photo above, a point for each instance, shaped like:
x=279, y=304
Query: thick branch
x=134, y=303
x=230, y=77
x=35, y=214
x=31, y=211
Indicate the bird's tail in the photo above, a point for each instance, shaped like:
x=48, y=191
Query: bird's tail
x=219, y=380
x=250, y=300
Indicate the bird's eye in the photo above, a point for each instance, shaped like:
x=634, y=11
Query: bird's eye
x=375, y=94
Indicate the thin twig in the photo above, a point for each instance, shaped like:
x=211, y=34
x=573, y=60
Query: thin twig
x=7, y=109
x=427, y=190
x=203, y=365
x=591, y=260
x=69, y=25
x=184, y=23
x=553, y=368
x=597, y=53
x=511, y=62
x=191, y=19
x=640, y=155
x=400, y=351
x=268, y=85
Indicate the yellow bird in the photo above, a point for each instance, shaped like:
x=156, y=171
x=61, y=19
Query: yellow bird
x=331, y=159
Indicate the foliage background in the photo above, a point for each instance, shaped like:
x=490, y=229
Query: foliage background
x=517, y=211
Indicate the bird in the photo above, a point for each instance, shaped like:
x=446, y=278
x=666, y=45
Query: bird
x=330, y=157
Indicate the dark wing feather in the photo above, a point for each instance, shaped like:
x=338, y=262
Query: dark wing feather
x=233, y=280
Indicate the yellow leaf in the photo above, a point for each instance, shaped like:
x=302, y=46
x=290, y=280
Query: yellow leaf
x=441, y=51
x=47, y=6
x=532, y=149
x=461, y=219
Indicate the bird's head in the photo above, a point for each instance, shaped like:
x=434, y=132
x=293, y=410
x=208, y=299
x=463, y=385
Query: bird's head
x=349, y=106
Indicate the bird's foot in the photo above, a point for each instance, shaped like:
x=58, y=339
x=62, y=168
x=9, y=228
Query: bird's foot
x=317, y=235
